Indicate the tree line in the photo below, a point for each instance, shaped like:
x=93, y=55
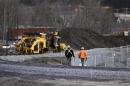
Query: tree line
x=86, y=14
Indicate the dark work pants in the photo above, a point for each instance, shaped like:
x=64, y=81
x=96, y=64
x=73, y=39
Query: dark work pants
x=82, y=61
x=69, y=60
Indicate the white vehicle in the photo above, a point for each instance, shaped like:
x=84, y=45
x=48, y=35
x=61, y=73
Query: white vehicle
x=5, y=47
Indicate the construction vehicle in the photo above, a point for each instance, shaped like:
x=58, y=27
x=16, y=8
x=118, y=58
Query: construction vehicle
x=35, y=43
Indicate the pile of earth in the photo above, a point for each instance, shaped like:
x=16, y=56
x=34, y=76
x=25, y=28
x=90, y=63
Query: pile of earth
x=83, y=37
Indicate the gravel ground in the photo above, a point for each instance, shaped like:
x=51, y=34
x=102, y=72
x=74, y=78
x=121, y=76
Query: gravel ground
x=17, y=81
x=21, y=58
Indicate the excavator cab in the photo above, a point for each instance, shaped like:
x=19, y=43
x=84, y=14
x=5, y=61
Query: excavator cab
x=54, y=42
x=39, y=45
x=22, y=43
x=32, y=43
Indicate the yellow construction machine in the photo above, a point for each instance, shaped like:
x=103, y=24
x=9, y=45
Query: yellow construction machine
x=32, y=43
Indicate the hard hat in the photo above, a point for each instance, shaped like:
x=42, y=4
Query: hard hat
x=55, y=33
x=82, y=48
x=68, y=46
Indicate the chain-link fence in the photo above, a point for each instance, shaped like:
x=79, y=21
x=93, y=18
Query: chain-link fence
x=107, y=57
x=98, y=57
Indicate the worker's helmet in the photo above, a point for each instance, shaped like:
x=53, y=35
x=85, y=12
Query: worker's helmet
x=68, y=46
x=82, y=48
x=56, y=33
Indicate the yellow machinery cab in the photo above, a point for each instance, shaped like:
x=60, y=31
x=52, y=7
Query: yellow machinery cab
x=32, y=43
x=20, y=44
x=35, y=43
x=39, y=44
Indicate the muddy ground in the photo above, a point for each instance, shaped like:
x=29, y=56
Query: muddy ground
x=27, y=80
x=17, y=81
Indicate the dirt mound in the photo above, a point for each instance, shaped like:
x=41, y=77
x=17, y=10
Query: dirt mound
x=89, y=39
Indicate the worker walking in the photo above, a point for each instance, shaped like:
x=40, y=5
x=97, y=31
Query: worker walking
x=69, y=53
x=83, y=54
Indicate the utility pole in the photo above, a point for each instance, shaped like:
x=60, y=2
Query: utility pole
x=5, y=27
x=17, y=26
x=126, y=12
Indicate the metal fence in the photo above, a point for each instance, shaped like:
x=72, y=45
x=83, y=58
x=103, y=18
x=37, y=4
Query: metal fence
x=107, y=57
x=98, y=57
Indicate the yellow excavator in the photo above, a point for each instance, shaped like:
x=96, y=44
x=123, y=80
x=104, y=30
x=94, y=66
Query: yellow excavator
x=35, y=43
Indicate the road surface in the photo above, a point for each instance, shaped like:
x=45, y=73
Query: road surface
x=43, y=71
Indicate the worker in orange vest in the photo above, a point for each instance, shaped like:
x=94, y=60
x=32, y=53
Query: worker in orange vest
x=83, y=54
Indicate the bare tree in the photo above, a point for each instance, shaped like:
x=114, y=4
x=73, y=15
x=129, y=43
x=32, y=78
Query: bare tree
x=57, y=13
x=93, y=17
x=42, y=16
x=7, y=15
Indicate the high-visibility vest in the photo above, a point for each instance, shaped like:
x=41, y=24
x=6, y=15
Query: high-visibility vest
x=83, y=54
